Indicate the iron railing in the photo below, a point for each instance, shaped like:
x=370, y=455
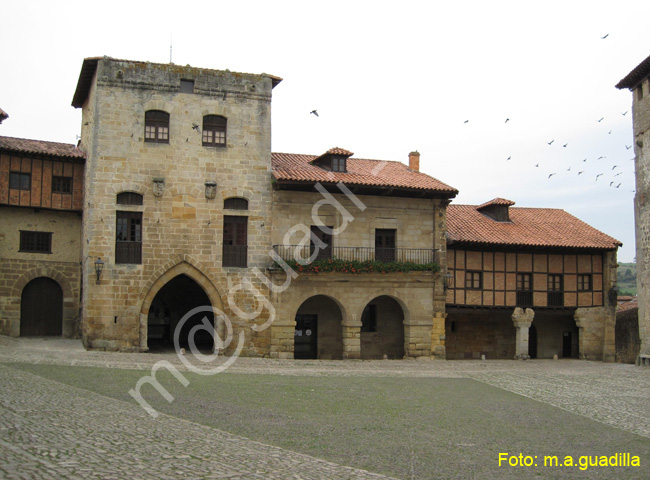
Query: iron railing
x=524, y=298
x=300, y=253
x=555, y=299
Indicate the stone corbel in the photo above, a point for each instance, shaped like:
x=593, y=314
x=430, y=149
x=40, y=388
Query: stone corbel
x=158, y=186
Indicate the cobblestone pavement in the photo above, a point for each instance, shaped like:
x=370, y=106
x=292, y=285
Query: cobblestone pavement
x=47, y=428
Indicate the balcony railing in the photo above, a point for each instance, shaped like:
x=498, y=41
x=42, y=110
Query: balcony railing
x=524, y=298
x=420, y=256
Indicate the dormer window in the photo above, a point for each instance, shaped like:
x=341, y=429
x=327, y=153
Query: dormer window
x=339, y=164
x=334, y=160
x=497, y=209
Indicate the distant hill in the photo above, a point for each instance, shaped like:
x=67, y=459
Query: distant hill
x=626, y=273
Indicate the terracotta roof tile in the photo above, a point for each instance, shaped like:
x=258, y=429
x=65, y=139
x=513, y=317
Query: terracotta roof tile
x=530, y=227
x=40, y=147
x=632, y=304
x=497, y=201
x=290, y=167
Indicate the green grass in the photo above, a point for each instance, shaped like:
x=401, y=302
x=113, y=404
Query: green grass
x=410, y=428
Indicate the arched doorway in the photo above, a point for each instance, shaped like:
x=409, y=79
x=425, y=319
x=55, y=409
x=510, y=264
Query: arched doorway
x=382, y=329
x=41, y=308
x=318, y=332
x=175, y=299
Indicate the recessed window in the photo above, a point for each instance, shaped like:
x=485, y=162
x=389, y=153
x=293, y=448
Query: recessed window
x=35, y=242
x=525, y=289
x=339, y=164
x=235, y=241
x=385, y=244
x=584, y=282
x=62, y=184
x=156, y=126
x=214, y=131
x=187, y=86
x=369, y=319
x=235, y=203
x=128, y=238
x=473, y=280
x=555, y=291
x=20, y=181
x=129, y=198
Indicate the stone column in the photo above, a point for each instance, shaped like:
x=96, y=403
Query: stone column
x=438, y=349
x=351, y=340
x=522, y=322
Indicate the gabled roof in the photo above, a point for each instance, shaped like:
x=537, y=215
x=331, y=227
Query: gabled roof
x=640, y=73
x=89, y=66
x=497, y=201
x=528, y=227
x=296, y=169
x=40, y=147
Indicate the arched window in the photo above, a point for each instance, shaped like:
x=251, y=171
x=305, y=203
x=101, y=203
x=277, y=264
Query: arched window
x=214, y=131
x=156, y=126
x=129, y=198
x=235, y=203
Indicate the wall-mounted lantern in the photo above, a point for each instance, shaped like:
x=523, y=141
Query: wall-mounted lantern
x=448, y=281
x=99, y=267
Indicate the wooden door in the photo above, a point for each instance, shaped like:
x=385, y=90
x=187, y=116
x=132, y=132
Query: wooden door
x=41, y=308
x=305, y=339
x=385, y=245
x=325, y=238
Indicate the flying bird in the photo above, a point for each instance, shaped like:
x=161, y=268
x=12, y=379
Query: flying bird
x=508, y=158
x=600, y=119
x=601, y=157
x=614, y=167
x=599, y=175
x=617, y=185
x=195, y=126
x=568, y=169
x=606, y=35
x=314, y=112
x=550, y=175
x=624, y=113
x=581, y=172
x=507, y=120
x=550, y=142
x=611, y=183
x=537, y=164
x=565, y=145
x=619, y=173
x=466, y=121
x=628, y=147
x=609, y=133
x=584, y=160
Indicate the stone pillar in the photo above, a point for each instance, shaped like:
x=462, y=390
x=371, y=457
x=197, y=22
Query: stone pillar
x=438, y=349
x=581, y=321
x=522, y=321
x=351, y=340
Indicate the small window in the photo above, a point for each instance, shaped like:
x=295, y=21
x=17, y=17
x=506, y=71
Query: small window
x=62, y=184
x=369, y=319
x=555, y=297
x=473, y=280
x=555, y=283
x=20, y=181
x=187, y=86
x=235, y=203
x=35, y=242
x=129, y=198
x=524, y=289
x=339, y=164
x=639, y=92
x=214, y=131
x=584, y=282
x=156, y=126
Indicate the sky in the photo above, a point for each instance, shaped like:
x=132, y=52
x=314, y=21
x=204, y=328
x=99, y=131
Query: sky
x=509, y=99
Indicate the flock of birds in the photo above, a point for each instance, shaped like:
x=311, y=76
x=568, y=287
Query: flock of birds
x=583, y=169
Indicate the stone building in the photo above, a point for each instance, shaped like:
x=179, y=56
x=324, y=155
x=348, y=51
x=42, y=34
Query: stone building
x=187, y=218
x=528, y=282
x=41, y=200
x=638, y=82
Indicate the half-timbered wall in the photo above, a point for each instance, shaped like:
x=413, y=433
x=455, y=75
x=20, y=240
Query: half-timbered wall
x=499, y=277
x=40, y=193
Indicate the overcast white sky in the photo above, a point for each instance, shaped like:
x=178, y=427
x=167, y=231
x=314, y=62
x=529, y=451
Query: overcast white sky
x=386, y=78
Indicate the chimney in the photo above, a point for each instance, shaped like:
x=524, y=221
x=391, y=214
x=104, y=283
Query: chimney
x=414, y=161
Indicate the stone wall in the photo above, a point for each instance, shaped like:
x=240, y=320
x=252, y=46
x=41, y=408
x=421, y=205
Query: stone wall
x=641, y=115
x=182, y=227
x=17, y=268
x=628, y=343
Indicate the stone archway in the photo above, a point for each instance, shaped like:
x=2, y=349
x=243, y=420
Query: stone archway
x=318, y=332
x=382, y=329
x=41, y=308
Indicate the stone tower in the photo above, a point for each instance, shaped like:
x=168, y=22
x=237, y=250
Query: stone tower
x=177, y=195
x=637, y=81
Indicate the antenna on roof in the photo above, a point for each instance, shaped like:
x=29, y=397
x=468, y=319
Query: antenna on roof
x=170, y=48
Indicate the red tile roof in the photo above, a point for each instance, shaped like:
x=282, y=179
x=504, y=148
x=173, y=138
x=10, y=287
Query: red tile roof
x=528, y=227
x=40, y=147
x=292, y=168
x=497, y=201
x=632, y=304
